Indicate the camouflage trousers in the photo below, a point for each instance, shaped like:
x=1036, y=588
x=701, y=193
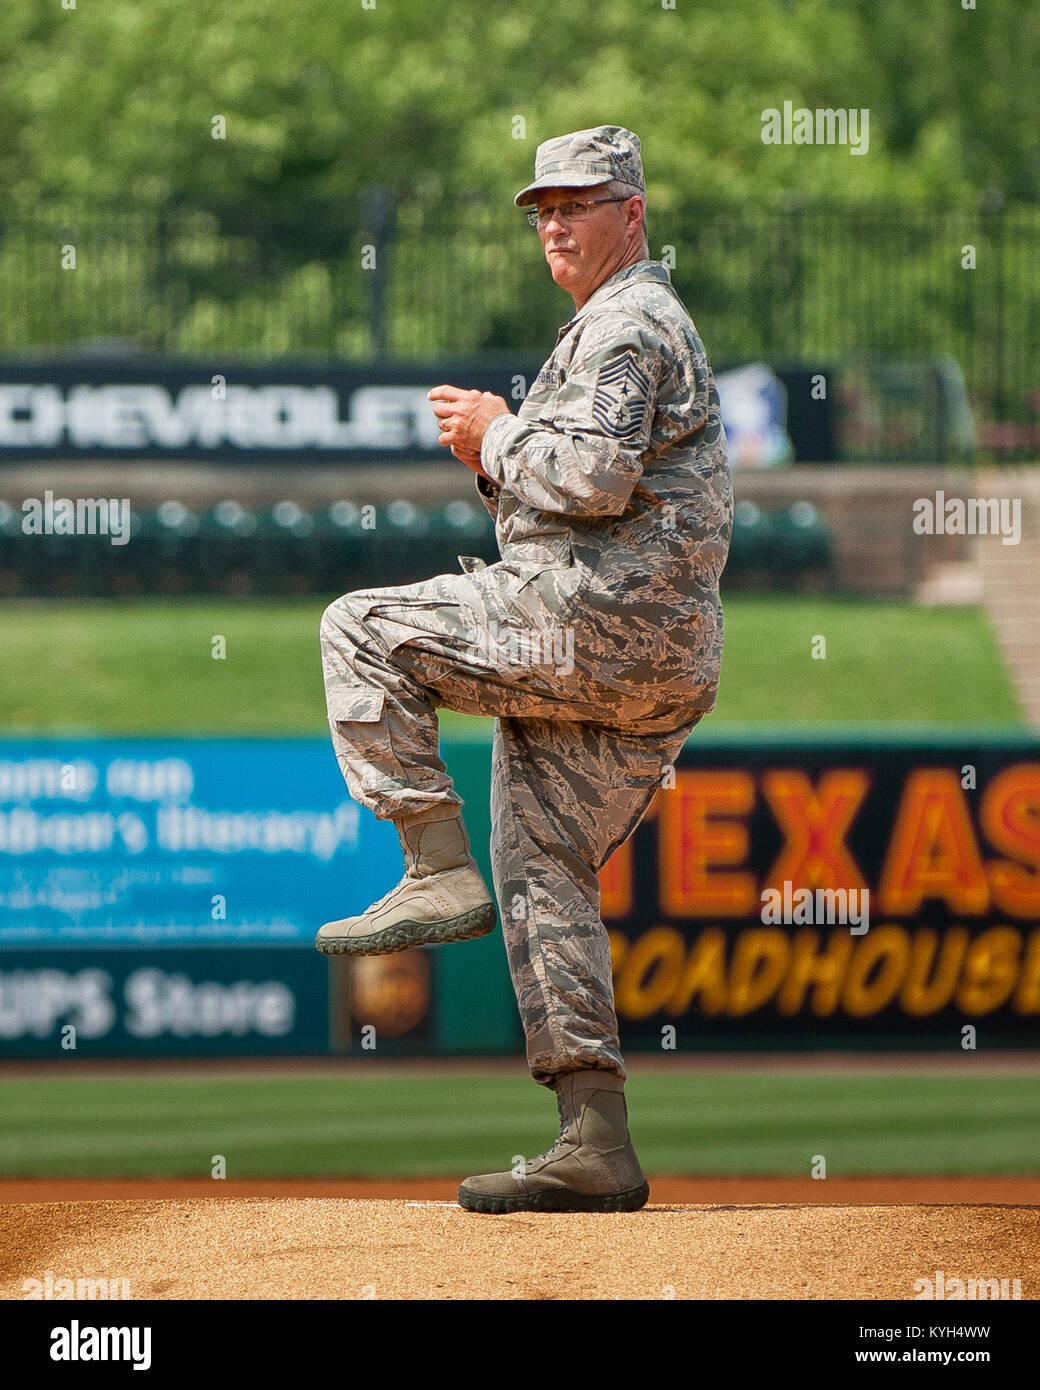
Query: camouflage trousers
x=575, y=764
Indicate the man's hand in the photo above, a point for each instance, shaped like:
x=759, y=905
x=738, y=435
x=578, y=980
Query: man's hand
x=463, y=417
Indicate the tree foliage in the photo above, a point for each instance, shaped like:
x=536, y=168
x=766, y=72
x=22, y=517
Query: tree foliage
x=116, y=99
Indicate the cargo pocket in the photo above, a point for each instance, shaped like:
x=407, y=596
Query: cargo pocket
x=355, y=705
x=640, y=767
x=365, y=748
x=621, y=780
x=644, y=759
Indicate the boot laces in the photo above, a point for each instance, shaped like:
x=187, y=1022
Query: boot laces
x=561, y=1139
x=386, y=898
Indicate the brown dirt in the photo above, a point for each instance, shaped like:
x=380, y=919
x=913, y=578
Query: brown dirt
x=699, y=1239
x=700, y=1191
x=995, y=1062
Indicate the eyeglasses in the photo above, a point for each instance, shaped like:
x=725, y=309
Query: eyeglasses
x=570, y=212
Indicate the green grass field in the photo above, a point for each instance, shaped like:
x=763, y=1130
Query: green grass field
x=733, y=1124
x=146, y=666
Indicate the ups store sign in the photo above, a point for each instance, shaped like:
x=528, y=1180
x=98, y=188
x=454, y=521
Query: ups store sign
x=123, y=1002
x=889, y=895
x=215, y=1001
x=157, y=407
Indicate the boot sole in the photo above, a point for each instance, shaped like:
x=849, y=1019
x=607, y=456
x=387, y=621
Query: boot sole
x=477, y=922
x=555, y=1199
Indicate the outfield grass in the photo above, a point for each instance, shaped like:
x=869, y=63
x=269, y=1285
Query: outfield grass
x=146, y=666
x=736, y=1124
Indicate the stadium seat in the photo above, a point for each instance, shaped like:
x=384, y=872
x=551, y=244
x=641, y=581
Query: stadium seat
x=166, y=551
x=285, y=557
x=226, y=548
x=345, y=543
x=751, y=541
x=801, y=540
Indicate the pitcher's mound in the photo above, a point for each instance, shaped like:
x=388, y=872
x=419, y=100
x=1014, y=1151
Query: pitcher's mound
x=351, y=1249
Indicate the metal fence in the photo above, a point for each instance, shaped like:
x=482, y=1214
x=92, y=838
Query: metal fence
x=367, y=279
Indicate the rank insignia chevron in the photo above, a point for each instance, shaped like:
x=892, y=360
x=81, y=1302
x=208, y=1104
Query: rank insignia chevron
x=622, y=396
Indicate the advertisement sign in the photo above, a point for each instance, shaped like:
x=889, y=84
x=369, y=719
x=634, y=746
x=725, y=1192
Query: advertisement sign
x=294, y=411
x=147, y=408
x=825, y=892
x=182, y=841
x=161, y=895
x=129, y=1002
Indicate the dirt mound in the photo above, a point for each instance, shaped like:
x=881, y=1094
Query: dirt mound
x=351, y=1248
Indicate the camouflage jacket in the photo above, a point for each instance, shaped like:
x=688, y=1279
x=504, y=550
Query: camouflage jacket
x=616, y=461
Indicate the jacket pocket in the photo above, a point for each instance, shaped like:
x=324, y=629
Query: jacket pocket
x=581, y=577
x=551, y=592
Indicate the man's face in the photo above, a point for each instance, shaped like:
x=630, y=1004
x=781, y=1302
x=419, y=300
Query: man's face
x=582, y=254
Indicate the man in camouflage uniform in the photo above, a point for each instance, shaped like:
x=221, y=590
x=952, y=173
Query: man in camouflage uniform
x=596, y=643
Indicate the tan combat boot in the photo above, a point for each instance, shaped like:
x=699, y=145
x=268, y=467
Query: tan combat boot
x=442, y=897
x=591, y=1167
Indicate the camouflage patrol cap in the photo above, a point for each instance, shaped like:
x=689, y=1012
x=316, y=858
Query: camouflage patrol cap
x=585, y=158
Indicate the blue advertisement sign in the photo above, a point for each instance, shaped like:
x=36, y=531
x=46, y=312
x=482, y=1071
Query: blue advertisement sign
x=127, y=1002
x=182, y=842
